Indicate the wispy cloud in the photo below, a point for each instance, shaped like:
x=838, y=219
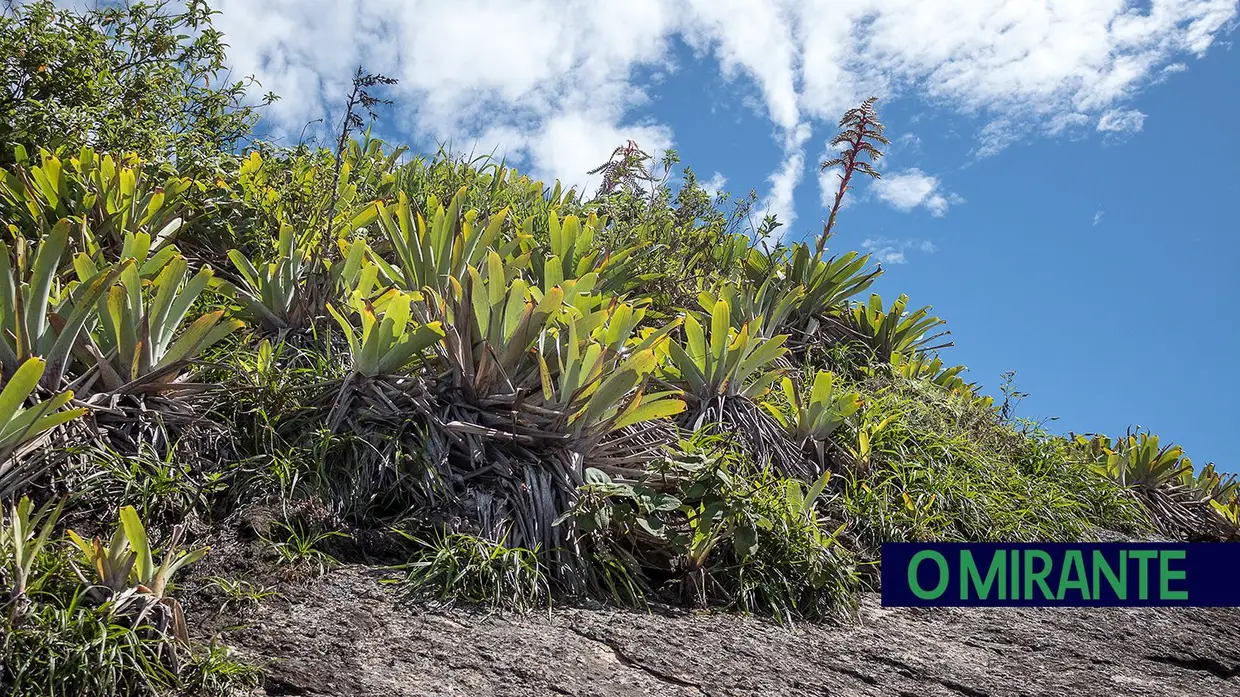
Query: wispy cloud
x=555, y=85
x=1121, y=121
x=890, y=251
x=1098, y=217
x=784, y=180
x=912, y=188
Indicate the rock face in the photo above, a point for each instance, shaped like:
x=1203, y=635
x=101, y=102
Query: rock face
x=343, y=635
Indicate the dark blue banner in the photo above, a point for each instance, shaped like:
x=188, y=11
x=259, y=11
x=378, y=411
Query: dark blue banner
x=1066, y=575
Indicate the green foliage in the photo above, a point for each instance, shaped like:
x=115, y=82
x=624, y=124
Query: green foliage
x=794, y=567
x=24, y=535
x=113, y=198
x=270, y=293
x=727, y=361
x=573, y=252
x=239, y=594
x=21, y=427
x=887, y=332
x=19, y=424
x=575, y=394
x=138, y=343
x=823, y=287
x=812, y=420
x=1182, y=501
x=75, y=649
x=301, y=548
x=127, y=577
x=140, y=77
x=38, y=315
x=389, y=339
x=733, y=536
x=1137, y=461
x=942, y=469
x=766, y=310
x=686, y=237
x=163, y=487
x=430, y=255
x=474, y=570
x=598, y=384
x=920, y=366
x=117, y=634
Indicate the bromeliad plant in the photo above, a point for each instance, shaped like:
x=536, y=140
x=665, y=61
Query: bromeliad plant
x=598, y=385
x=124, y=574
x=389, y=338
x=23, y=538
x=572, y=252
x=38, y=315
x=20, y=426
x=113, y=196
x=385, y=338
x=812, y=421
x=270, y=293
x=886, y=332
x=1181, y=502
x=921, y=366
x=491, y=325
x=1138, y=461
x=137, y=343
x=766, y=311
x=729, y=361
x=724, y=374
x=431, y=255
x=826, y=285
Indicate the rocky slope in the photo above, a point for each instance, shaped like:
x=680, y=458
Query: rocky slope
x=344, y=635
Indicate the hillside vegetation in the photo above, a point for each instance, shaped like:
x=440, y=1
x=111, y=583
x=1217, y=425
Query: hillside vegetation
x=519, y=393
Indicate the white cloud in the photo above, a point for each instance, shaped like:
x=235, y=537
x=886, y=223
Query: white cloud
x=891, y=251
x=569, y=144
x=785, y=179
x=1064, y=122
x=997, y=135
x=714, y=185
x=911, y=188
x=755, y=38
x=564, y=75
x=1098, y=217
x=1123, y=121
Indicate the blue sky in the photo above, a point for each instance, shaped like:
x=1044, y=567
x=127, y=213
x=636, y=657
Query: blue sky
x=1060, y=183
x=1107, y=324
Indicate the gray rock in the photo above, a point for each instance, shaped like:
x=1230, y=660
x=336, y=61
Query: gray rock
x=344, y=635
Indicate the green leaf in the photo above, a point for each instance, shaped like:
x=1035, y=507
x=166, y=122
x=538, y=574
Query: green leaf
x=135, y=533
x=19, y=388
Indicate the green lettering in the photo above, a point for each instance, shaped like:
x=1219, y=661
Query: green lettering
x=1074, y=564
x=1166, y=575
x=1015, y=558
x=1119, y=584
x=914, y=586
x=1143, y=573
x=969, y=574
x=1039, y=576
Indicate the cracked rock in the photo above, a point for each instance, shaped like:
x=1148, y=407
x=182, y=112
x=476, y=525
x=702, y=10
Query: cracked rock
x=342, y=636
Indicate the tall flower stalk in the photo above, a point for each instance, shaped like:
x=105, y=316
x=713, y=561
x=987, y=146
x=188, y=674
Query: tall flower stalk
x=860, y=129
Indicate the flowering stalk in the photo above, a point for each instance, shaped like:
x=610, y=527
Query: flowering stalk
x=860, y=129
